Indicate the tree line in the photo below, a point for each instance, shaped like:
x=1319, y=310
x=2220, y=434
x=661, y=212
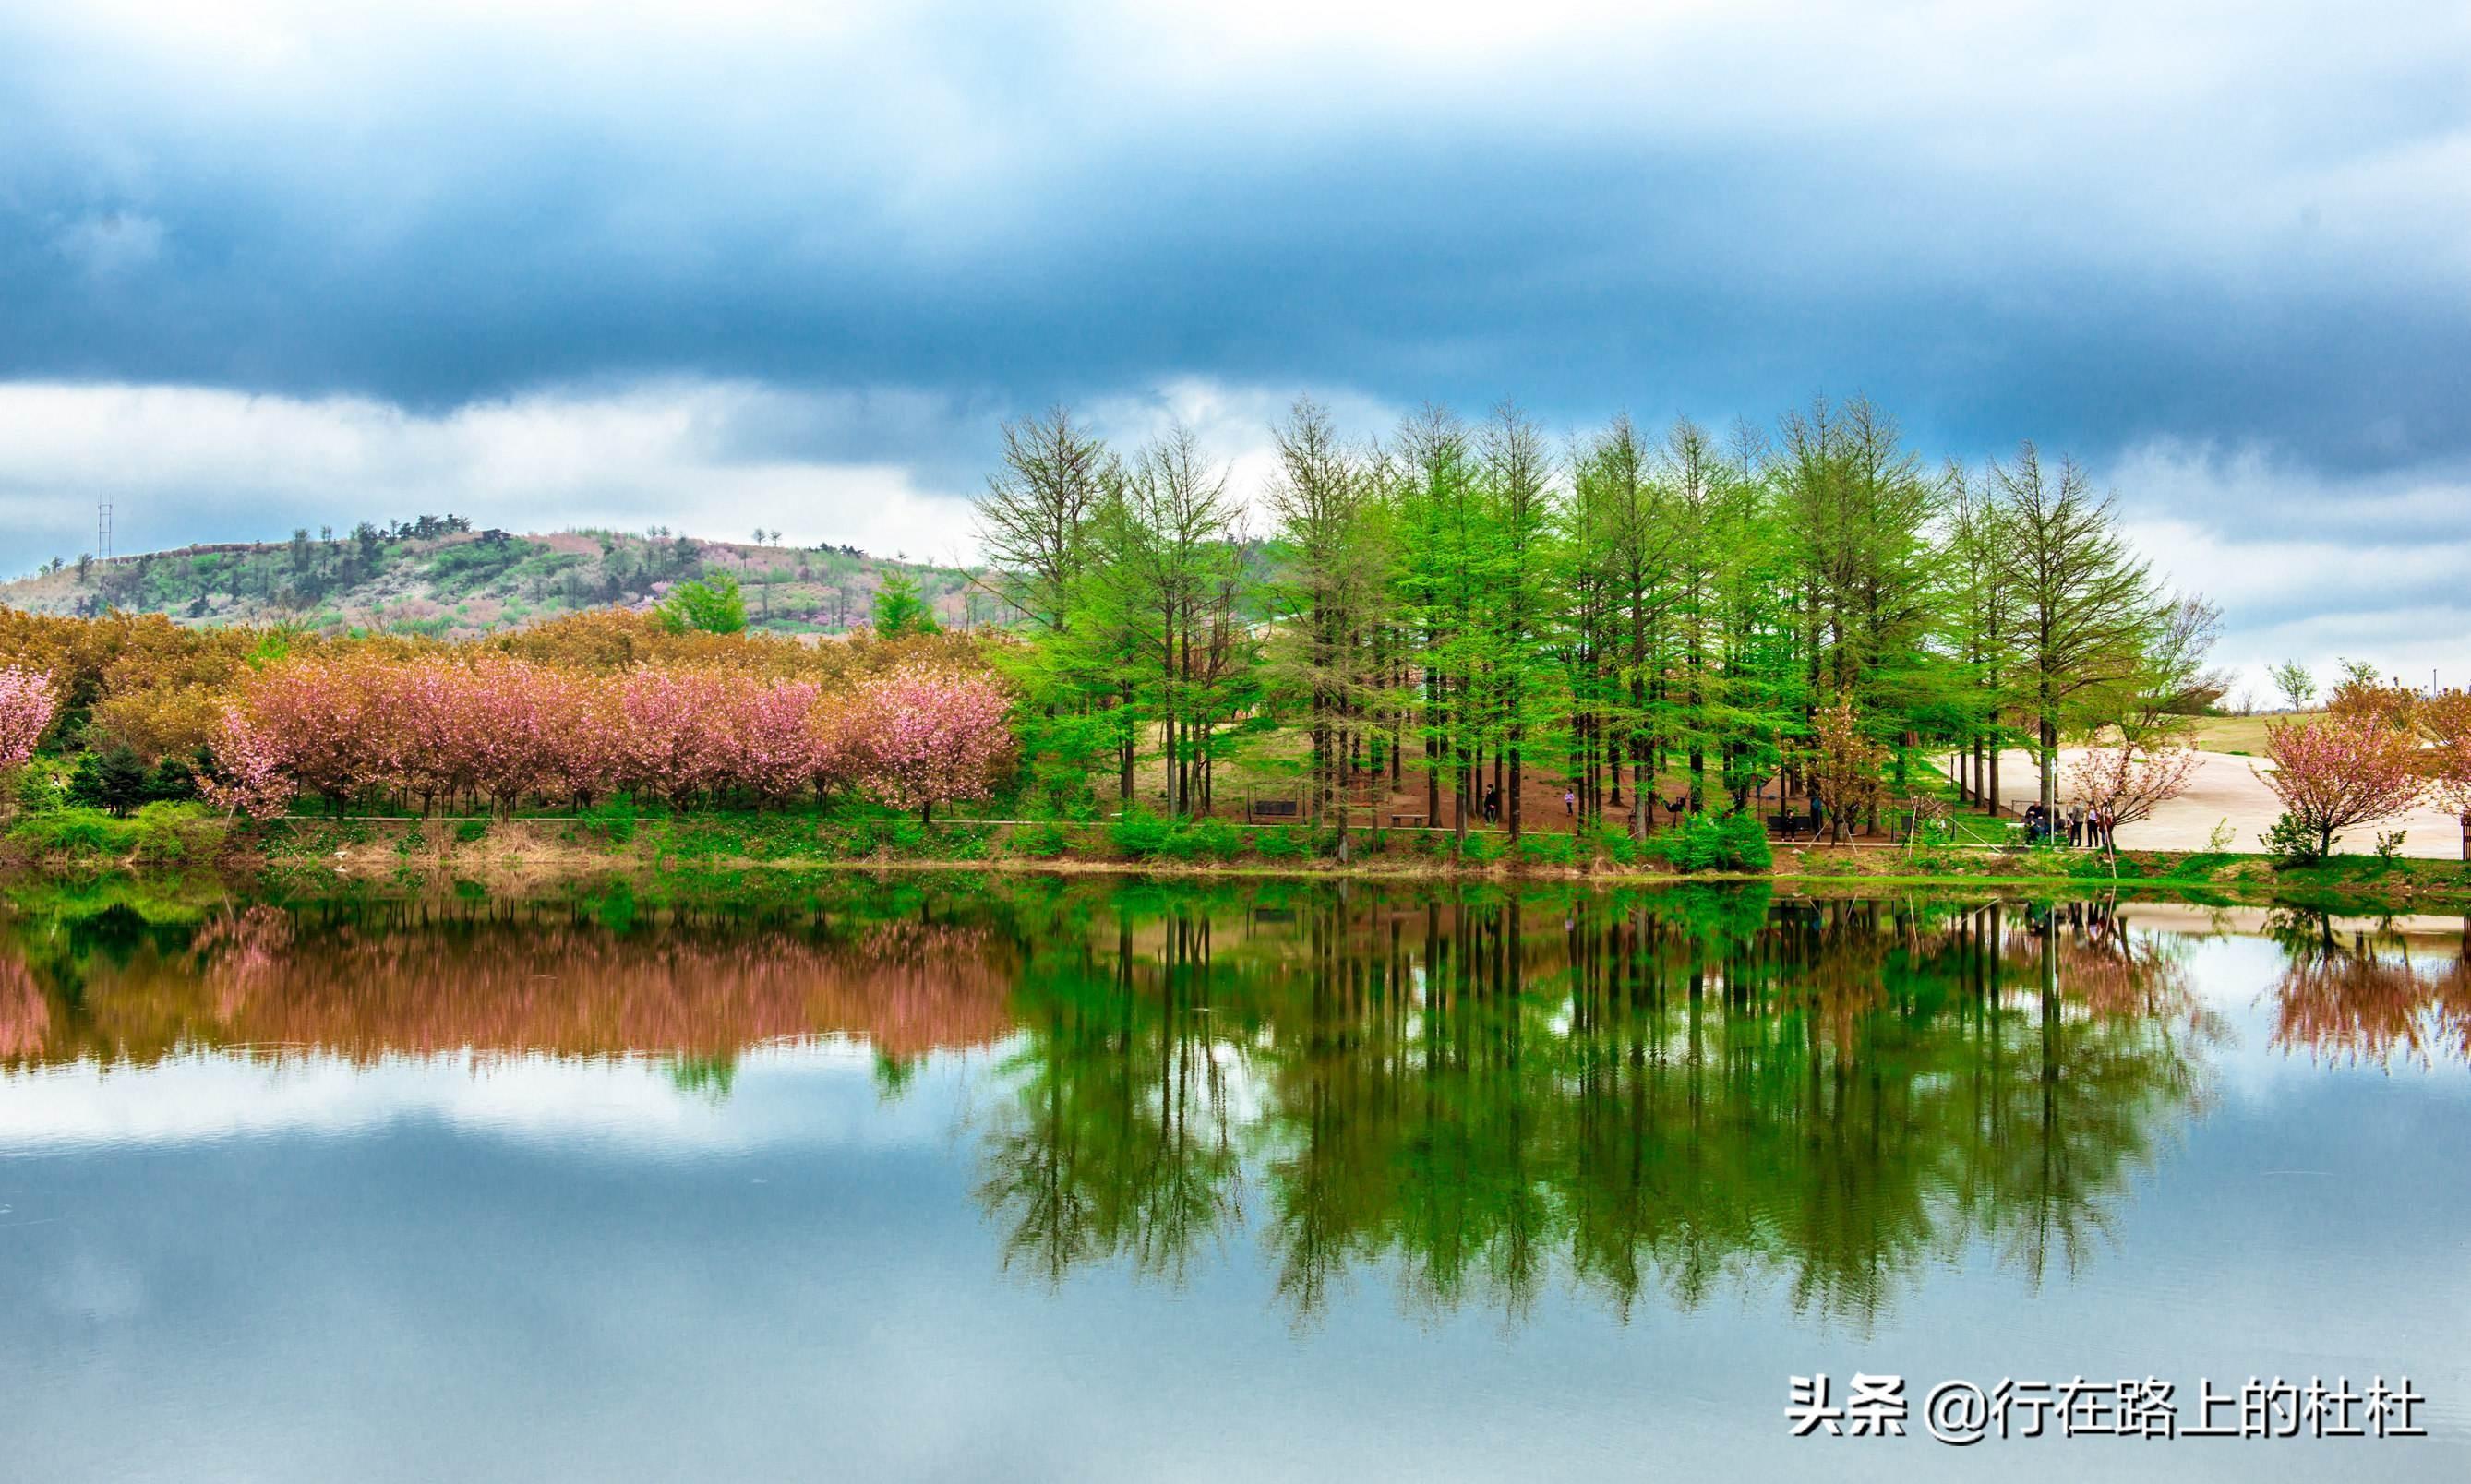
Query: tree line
x=1463, y=605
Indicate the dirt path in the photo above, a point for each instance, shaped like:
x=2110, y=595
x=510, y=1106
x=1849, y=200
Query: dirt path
x=2225, y=789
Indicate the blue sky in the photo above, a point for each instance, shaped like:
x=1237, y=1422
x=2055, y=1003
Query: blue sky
x=731, y=263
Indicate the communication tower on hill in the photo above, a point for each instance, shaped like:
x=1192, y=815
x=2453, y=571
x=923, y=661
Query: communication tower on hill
x=103, y=530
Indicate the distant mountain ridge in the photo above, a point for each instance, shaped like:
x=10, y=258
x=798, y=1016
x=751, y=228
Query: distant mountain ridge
x=437, y=576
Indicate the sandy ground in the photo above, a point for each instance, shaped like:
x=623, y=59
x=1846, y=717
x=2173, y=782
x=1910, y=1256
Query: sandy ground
x=2225, y=789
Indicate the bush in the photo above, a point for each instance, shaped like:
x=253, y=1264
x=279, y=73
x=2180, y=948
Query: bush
x=117, y=780
x=1482, y=849
x=1616, y=842
x=43, y=785
x=613, y=820
x=156, y=835
x=1045, y=839
x=1139, y=833
x=2292, y=840
x=1706, y=842
x=962, y=842
x=1214, y=839
x=167, y=833
x=73, y=833
x=1548, y=849
x=1277, y=843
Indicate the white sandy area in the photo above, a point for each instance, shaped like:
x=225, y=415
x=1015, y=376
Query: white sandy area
x=2225, y=789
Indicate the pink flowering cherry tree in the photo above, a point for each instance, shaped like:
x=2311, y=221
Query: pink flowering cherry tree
x=2134, y=779
x=670, y=742
x=253, y=770
x=923, y=736
x=28, y=702
x=776, y=751
x=2340, y=772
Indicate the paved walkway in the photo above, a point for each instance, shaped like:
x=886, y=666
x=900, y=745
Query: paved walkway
x=2225, y=789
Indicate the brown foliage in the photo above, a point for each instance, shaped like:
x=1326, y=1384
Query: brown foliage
x=519, y=986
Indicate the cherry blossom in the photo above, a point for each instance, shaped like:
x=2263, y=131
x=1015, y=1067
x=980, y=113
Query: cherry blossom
x=28, y=702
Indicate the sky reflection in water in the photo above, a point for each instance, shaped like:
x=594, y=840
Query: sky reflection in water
x=1082, y=1180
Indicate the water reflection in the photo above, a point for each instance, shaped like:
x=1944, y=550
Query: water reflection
x=365, y=981
x=1470, y=1097
x=2360, y=995
x=1475, y=1095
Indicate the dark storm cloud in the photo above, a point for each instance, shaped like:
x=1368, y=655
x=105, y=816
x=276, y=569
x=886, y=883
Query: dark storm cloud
x=718, y=262
x=430, y=215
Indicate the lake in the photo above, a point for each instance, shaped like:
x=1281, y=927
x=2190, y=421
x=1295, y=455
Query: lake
x=1090, y=1179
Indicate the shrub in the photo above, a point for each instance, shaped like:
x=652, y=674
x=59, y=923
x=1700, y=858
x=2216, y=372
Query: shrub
x=1705, y=843
x=1277, y=843
x=1045, y=839
x=72, y=834
x=613, y=820
x=155, y=834
x=1482, y=849
x=117, y=780
x=2292, y=839
x=1748, y=839
x=1214, y=839
x=1139, y=833
x=1548, y=849
x=965, y=843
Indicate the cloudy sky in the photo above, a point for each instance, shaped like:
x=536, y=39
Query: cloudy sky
x=723, y=263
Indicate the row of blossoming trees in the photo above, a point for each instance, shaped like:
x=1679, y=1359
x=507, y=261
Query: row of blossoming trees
x=497, y=730
x=570, y=712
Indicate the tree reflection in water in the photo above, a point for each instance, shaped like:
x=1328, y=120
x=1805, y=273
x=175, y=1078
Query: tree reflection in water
x=1675, y=1094
x=370, y=980
x=2358, y=995
x=1469, y=1093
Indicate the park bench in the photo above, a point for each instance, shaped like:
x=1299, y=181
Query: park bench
x=1407, y=821
x=1791, y=826
x=1276, y=809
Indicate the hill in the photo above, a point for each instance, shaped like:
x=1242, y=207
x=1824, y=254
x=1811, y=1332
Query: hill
x=435, y=575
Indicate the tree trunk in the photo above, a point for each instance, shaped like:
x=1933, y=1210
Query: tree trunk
x=1516, y=763
x=2050, y=761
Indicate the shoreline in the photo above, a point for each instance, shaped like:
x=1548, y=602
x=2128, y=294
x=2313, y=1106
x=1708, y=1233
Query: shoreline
x=512, y=856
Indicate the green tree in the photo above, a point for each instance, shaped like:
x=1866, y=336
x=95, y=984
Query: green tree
x=712, y=605
x=1331, y=526
x=900, y=609
x=1034, y=518
x=2085, y=605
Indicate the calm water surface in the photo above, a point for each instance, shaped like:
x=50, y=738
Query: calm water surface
x=1094, y=1181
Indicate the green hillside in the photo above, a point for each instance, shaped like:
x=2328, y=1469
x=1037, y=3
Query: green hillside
x=436, y=575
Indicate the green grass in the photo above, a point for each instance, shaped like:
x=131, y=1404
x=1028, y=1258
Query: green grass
x=157, y=835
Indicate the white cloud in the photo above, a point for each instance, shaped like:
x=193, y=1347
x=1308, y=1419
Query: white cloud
x=2307, y=565
x=804, y=1091
x=187, y=463
x=1232, y=423
x=712, y=458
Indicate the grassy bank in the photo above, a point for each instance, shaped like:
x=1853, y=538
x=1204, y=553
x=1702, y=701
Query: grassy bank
x=516, y=854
